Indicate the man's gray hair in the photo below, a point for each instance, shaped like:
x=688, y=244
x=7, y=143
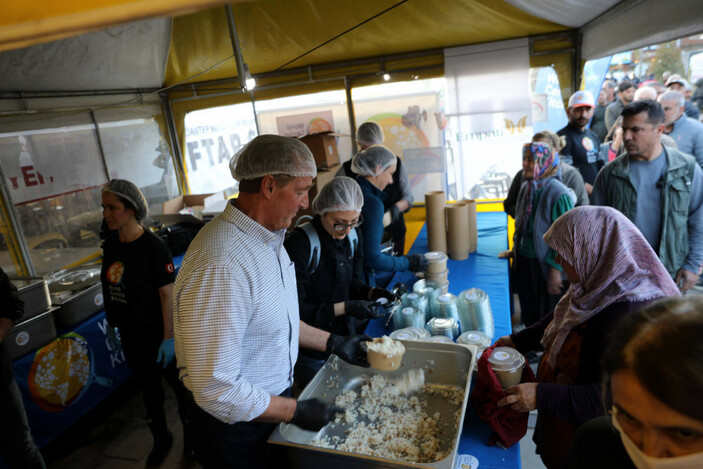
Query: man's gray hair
x=645, y=92
x=673, y=96
x=274, y=155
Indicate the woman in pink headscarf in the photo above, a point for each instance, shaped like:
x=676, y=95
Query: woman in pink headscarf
x=613, y=271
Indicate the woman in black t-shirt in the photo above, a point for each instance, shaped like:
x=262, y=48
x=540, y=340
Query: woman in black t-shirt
x=137, y=277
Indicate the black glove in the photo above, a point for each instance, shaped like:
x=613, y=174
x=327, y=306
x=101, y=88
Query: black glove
x=313, y=414
x=348, y=348
x=395, y=213
x=377, y=293
x=361, y=309
x=418, y=263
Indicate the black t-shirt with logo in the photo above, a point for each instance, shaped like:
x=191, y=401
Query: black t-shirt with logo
x=131, y=275
x=583, y=147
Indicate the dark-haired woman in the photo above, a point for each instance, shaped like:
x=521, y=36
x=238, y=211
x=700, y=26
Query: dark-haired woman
x=137, y=277
x=654, y=383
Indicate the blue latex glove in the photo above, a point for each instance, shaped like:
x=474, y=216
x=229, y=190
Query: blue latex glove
x=167, y=352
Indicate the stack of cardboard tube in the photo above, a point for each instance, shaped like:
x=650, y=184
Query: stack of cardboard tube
x=451, y=228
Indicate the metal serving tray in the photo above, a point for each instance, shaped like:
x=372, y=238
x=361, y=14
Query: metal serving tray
x=445, y=364
x=31, y=334
x=34, y=291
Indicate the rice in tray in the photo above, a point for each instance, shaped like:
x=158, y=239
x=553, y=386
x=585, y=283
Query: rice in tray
x=382, y=423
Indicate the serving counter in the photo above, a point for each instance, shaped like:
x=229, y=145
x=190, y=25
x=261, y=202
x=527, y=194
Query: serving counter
x=63, y=380
x=483, y=269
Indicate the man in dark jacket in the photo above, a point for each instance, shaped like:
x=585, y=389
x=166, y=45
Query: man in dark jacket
x=17, y=448
x=582, y=149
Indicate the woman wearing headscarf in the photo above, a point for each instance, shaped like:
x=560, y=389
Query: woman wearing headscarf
x=329, y=269
x=542, y=199
x=375, y=167
x=613, y=271
x=137, y=277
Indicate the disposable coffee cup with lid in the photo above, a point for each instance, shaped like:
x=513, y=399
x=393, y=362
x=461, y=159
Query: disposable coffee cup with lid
x=507, y=363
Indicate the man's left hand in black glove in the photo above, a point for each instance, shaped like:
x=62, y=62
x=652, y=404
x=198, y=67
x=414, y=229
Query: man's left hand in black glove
x=348, y=348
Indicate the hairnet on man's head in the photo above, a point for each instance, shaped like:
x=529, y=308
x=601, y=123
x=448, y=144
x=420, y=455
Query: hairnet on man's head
x=341, y=194
x=369, y=133
x=372, y=161
x=273, y=154
x=130, y=192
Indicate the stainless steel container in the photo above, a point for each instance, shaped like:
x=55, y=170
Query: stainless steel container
x=77, y=306
x=31, y=334
x=450, y=364
x=34, y=291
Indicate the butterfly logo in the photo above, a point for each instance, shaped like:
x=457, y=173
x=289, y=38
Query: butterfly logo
x=520, y=127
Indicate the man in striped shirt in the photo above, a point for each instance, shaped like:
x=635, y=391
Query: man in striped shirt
x=236, y=321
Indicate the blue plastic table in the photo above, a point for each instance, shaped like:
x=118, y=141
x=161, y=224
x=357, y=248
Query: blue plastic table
x=483, y=269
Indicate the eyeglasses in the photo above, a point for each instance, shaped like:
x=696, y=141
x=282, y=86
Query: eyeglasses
x=344, y=226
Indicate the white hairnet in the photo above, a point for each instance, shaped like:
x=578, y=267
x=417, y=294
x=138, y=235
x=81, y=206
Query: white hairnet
x=341, y=194
x=130, y=192
x=369, y=133
x=367, y=162
x=273, y=154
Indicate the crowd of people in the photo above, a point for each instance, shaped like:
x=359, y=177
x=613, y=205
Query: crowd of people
x=608, y=235
x=615, y=262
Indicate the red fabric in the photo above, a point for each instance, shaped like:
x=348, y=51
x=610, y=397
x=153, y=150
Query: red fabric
x=508, y=425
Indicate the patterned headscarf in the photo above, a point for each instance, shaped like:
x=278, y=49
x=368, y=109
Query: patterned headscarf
x=613, y=262
x=546, y=167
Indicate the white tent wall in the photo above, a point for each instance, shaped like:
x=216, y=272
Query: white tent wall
x=129, y=56
x=638, y=23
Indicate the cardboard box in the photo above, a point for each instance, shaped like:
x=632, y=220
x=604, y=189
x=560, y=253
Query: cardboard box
x=177, y=204
x=324, y=148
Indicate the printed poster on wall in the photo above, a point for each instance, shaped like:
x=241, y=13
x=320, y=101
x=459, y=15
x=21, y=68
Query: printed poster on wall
x=298, y=125
x=51, y=162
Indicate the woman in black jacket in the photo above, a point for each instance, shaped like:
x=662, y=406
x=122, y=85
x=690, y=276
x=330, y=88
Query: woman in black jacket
x=329, y=266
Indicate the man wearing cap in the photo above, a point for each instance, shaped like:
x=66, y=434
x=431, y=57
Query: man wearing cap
x=677, y=83
x=236, y=319
x=582, y=146
x=686, y=132
x=626, y=93
x=660, y=189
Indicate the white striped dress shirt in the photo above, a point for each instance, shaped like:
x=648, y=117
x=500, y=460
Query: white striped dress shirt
x=236, y=320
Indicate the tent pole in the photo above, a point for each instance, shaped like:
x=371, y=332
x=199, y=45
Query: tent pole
x=239, y=61
x=253, y=108
x=10, y=227
x=175, y=143
x=100, y=144
x=350, y=112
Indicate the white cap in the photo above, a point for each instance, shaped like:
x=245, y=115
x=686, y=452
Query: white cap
x=582, y=99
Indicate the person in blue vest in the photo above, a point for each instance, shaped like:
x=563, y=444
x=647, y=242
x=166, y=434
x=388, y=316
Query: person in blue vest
x=374, y=168
x=329, y=269
x=542, y=199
